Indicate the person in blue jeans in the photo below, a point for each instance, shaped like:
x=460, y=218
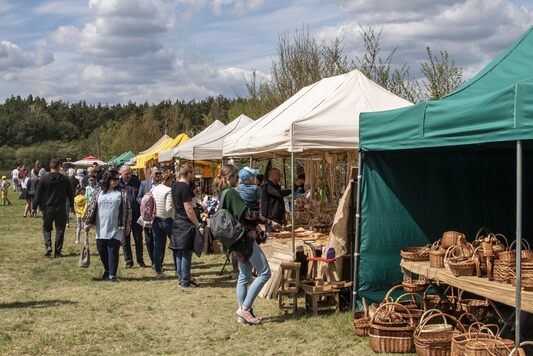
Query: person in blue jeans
x=162, y=224
x=253, y=257
x=184, y=225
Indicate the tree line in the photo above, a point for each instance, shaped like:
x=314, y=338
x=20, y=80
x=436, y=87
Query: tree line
x=36, y=129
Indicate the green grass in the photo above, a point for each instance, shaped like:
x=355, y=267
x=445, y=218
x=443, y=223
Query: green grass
x=50, y=306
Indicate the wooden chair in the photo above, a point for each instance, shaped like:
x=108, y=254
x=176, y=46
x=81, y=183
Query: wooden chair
x=289, y=286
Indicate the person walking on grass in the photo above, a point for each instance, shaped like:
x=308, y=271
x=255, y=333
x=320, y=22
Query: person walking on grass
x=162, y=224
x=15, y=178
x=248, y=254
x=51, y=196
x=89, y=189
x=184, y=226
x=146, y=186
x=80, y=209
x=4, y=188
x=131, y=183
x=110, y=214
x=25, y=184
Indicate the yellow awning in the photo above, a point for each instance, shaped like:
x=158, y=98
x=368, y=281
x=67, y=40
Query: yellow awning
x=163, y=144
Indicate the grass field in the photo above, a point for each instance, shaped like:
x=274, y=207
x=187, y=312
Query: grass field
x=50, y=306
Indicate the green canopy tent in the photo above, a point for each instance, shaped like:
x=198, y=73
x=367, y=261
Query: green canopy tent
x=448, y=164
x=121, y=159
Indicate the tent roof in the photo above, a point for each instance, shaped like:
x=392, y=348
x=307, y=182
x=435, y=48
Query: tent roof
x=88, y=161
x=321, y=116
x=122, y=158
x=187, y=148
x=210, y=147
x=495, y=105
x=143, y=159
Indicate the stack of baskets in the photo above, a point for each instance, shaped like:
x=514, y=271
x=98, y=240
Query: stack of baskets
x=390, y=330
x=435, y=339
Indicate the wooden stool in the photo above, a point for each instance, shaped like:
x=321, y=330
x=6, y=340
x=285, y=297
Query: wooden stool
x=289, y=286
x=322, y=301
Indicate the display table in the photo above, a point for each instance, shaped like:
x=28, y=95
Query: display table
x=495, y=291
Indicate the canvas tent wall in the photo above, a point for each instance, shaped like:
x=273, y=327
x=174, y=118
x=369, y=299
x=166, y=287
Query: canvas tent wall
x=320, y=117
x=448, y=164
x=186, y=150
x=210, y=148
x=163, y=144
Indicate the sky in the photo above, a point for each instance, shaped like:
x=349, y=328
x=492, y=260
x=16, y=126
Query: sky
x=115, y=51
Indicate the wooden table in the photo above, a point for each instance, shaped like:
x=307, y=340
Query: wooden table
x=495, y=291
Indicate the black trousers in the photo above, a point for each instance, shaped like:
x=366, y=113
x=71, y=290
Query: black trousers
x=136, y=231
x=108, y=251
x=54, y=215
x=149, y=241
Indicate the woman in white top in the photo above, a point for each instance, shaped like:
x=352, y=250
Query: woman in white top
x=162, y=224
x=110, y=213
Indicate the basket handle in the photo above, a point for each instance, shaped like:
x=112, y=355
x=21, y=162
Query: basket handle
x=444, y=316
x=365, y=310
x=435, y=245
x=498, y=238
x=482, y=229
x=412, y=295
x=411, y=322
x=476, y=324
x=524, y=244
x=389, y=293
x=430, y=312
x=449, y=251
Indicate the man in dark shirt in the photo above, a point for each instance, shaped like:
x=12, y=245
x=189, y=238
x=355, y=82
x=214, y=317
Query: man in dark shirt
x=51, y=196
x=272, y=204
x=131, y=184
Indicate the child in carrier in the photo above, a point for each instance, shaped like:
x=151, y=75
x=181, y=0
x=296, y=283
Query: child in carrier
x=80, y=209
x=248, y=189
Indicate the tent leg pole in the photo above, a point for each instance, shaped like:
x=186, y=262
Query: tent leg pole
x=518, y=241
x=292, y=209
x=357, y=232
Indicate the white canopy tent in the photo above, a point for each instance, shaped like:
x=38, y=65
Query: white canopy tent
x=188, y=147
x=210, y=147
x=323, y=116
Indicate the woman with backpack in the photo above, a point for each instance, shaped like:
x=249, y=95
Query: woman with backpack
x=251, y=256
x=110, y=214
x=184, y=226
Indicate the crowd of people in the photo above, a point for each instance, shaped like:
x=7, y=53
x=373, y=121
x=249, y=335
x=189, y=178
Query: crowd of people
x=115, y=202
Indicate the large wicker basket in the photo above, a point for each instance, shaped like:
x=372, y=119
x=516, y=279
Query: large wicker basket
x=462, y=264
x=477, y=307
x=492, y=346
x=476, y=331
x=504, y=271
x=435, y=339
x=451, y=238
x=391, y=338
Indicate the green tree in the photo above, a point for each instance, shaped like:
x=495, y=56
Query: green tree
x=441, y=74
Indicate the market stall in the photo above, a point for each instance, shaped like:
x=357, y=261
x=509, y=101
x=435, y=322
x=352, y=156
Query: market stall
x=316, y=124
x=457, y=163
x=150, y=156
x=88, y=161
x=121, y=159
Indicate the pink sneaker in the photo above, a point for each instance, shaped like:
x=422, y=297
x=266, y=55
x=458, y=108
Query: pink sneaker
x=248, y=317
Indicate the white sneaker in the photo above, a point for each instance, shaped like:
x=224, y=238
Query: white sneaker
x=247, y=316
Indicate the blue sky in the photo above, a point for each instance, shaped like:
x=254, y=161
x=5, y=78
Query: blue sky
x=150, y=50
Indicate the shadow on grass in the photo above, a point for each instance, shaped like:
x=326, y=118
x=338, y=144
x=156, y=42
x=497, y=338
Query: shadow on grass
x=36, y=304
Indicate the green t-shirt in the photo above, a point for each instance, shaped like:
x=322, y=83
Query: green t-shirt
x=233, y=203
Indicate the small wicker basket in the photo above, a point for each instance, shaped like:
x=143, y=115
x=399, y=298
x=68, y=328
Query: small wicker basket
x=450, y=238
x=436, y=256
x=361, y=321
x=415, y=253
x=460, y=265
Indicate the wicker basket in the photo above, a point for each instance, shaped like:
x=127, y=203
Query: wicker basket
x=451, y=238
x=391, y=338
x=415, y=253
x=477, y=307
x=491, y=243
x=525, y=283
x=361, y=321
x=460, y=265
x=459, y=340
x=503, y=271
x=436, y=256
x=413, y=282
x=435, y=339
x=434, y=301
x=409, y=300
x=492, y=346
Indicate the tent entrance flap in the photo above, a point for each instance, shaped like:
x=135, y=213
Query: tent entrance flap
x=422, y=193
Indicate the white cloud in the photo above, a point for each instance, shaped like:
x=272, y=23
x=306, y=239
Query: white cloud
x=472, y=31
x=13, y=57
x=4, y=6
x=218, y=6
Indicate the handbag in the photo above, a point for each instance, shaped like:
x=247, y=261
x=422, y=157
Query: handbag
x=199, y=242
x=85, y=255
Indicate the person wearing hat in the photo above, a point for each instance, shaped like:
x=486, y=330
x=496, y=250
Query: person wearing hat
x=248, y=189
x=4, y=187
